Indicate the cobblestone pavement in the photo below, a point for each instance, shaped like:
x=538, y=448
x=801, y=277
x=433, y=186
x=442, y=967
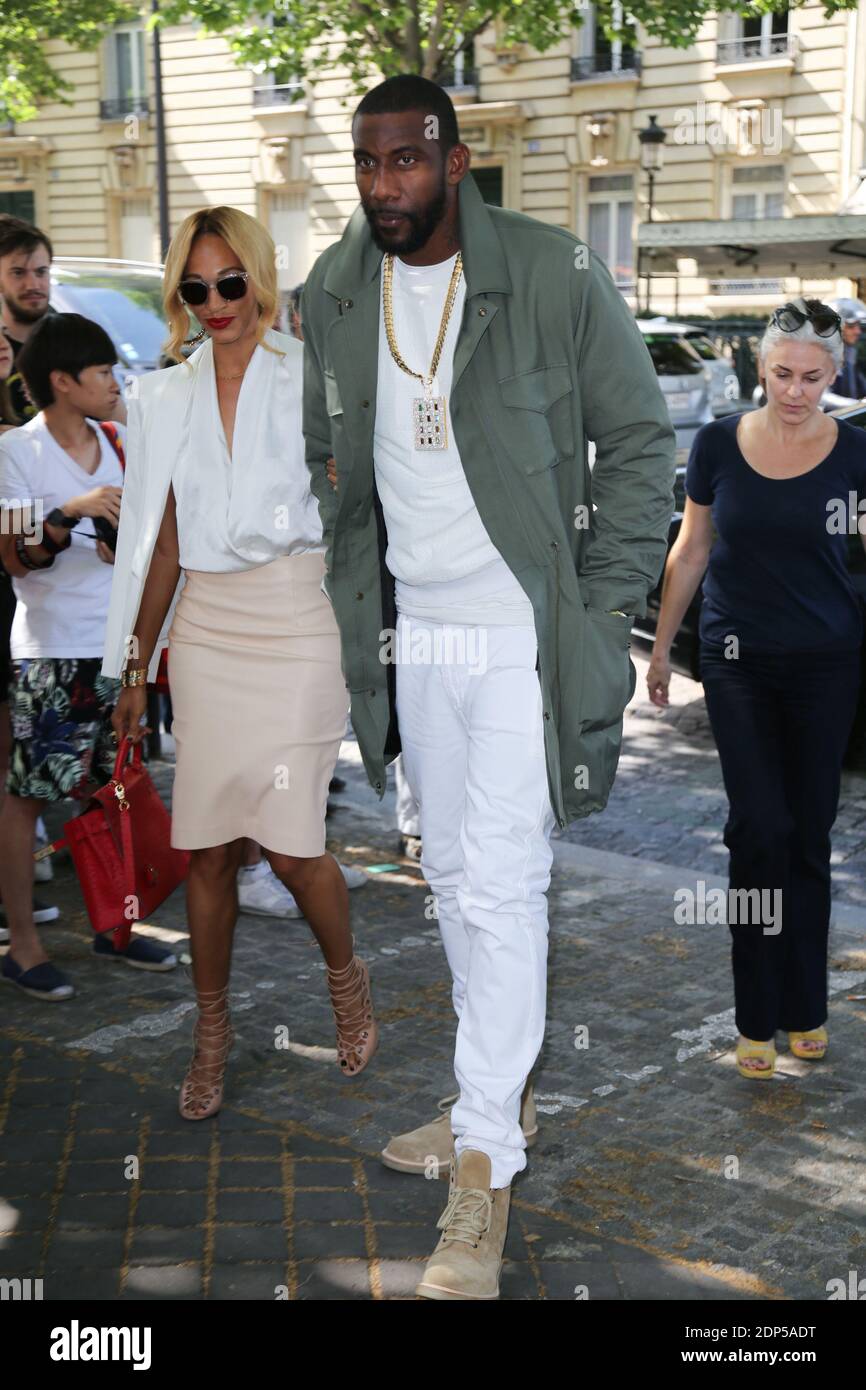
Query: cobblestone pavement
x=658, y=1173
x=668, y=802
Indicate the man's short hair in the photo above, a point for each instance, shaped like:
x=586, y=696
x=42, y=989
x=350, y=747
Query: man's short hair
x=18, y=235
x=62, y=343
x=408, y=92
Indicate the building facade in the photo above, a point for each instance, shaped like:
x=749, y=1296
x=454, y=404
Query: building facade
x=764, y=119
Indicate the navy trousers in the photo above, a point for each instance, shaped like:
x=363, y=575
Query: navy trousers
x=781, y=722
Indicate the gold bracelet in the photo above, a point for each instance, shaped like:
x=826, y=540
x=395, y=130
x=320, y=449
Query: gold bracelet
x=134, y=675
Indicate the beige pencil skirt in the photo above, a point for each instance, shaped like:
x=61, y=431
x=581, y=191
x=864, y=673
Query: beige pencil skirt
x=259, y=704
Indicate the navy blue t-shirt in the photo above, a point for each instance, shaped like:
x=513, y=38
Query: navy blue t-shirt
x=777, y=577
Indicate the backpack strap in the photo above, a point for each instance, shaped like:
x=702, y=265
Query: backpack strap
x=109, y=429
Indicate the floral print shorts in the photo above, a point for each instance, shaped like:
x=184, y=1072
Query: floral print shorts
x=62, y=741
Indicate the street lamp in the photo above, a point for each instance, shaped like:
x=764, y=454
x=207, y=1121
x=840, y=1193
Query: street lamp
x=161, y=154
x=652, y=140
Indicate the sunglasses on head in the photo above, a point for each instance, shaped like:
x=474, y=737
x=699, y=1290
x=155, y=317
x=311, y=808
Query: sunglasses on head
x=231, y=286
x=823, y=319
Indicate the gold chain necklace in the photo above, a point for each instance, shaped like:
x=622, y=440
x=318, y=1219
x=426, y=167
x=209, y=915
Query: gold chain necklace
x=428, y=411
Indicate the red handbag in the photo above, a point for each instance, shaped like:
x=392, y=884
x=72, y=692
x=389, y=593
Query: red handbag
x=121, y=849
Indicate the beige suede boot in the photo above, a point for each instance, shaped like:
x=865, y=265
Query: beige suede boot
x=427, y=1151
x=468, y=1258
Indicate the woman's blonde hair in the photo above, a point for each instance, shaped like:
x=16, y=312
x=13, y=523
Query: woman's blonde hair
x=255, y=251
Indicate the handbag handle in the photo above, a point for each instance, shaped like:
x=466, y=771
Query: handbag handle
x=119, y=764
x=120, y=760
x=122, y=934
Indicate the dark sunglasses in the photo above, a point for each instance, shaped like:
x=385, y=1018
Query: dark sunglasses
x=823, y=319
x=195, y=292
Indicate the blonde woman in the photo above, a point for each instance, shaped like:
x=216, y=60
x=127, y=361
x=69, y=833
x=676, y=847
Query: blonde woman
x=220, y=550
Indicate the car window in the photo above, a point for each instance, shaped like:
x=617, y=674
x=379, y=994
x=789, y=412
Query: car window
x=672, y=356
x=702, y=346
x=129, y=309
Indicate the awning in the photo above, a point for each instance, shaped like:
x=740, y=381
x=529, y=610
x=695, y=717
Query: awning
x=818, y=247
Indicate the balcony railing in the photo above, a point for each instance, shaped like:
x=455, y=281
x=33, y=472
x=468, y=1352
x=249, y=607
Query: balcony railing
x=624, y=64
x=756, y=50
x=118, y=108
x=279, y=94
x=454, y=82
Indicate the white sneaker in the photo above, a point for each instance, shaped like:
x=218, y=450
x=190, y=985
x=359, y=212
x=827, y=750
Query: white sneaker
x=262, y=895
x=43, y=870
x=355, y=878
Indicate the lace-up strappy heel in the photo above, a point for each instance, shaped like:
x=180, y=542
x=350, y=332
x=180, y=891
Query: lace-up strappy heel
x=357, y=1034
x=201, y=1094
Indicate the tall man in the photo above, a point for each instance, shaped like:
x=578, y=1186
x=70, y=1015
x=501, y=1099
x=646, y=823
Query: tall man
x=458, y=357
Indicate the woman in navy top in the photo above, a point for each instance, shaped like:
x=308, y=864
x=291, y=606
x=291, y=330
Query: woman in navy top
x=781, y=630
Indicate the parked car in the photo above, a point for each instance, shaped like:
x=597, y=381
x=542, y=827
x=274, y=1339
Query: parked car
x=124, y=297
x=684, y=378
x=724, y=383
x=685, y=647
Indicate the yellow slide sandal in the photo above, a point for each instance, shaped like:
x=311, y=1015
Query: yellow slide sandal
x=817, y=1037
x=763, y=1052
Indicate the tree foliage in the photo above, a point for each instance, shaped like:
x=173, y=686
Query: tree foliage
x=299, y=40
x=424, y=36
x=27, y=77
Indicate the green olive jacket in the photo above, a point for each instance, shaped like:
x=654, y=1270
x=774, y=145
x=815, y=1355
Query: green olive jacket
x=548, y=357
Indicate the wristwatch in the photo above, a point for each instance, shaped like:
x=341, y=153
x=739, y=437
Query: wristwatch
x=59, y=518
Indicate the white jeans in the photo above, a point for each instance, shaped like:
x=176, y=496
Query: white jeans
x=473, y=749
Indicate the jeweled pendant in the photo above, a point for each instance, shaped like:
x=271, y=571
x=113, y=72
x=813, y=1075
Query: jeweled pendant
x=429, y=418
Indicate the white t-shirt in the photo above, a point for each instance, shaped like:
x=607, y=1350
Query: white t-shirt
x=61, y=610
x=445, y=565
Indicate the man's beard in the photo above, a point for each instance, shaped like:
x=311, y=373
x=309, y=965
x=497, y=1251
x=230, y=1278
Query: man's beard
x=422, y=225
x=26, y=313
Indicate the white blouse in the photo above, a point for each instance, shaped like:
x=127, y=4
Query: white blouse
x=236, y=511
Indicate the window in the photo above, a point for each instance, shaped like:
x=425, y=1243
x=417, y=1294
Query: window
x=464, y=72
x=277, y=86
x=597, y=55
x=19, y=202
x=125, y=73
x=672, y=356
x=702, y=346
x=758, y=191
x=610, y=213
x=763, y=27
x=753, y=38
x=127, y=304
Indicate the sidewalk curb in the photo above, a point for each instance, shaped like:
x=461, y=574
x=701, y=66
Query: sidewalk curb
x=568, y=857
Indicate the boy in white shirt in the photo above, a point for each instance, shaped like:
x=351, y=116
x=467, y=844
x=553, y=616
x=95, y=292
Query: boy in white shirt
x=61, y=476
